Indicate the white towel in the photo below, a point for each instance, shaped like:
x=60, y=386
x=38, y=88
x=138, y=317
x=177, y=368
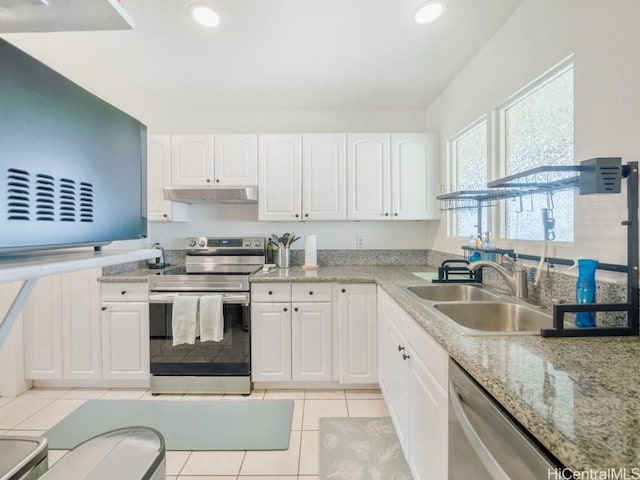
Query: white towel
x=184, y=317
x=211, y=318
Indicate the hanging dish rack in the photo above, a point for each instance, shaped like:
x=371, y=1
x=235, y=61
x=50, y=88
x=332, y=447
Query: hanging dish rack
x=596, y=175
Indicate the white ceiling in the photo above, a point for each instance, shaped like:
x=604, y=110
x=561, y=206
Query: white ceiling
x=273, y=54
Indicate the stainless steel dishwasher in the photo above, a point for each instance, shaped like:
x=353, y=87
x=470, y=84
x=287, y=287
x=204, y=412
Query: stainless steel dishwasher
x=484, y=442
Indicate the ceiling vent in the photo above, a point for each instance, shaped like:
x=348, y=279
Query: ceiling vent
x=63, y=16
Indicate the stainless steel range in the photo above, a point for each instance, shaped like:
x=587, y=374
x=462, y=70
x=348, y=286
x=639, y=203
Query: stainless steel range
x=213, y=266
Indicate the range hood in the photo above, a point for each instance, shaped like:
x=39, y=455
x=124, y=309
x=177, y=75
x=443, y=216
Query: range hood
x=63, y=16
x=220, y=195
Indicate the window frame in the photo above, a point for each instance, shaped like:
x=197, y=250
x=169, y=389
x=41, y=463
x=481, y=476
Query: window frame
x=452, y=168
x=499, y=161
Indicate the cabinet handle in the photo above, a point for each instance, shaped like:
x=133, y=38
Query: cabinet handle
x=386, y=214
x=395, y=214
x=343, y=290
x=306, y=215
x=400, y=348
x=270, y=292
x=208, y=180
x=310, y=292
x=405, y=356
x=123, y=292
x=217, y=180
x=295, y=309
x=165, y=215
x=286, y=309
x=297, y=216
x=104, y=308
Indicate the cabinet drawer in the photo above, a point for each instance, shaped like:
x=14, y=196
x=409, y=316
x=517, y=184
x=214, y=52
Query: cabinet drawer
x=311, y=292
x=271, y=292
x=125, y=292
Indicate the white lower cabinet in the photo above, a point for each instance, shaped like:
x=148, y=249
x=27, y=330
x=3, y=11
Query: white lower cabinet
x=413, y=378
x=81, y=325
x=125, y=341
x=355, y=333
x=125, y=331
x=291, y=340
x=72, y=338
x=311, y=342
x=62, y=327
x=270, y=342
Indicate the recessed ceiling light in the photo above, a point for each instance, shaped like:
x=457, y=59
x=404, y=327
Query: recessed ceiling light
x=204, y=15
x=429, y=12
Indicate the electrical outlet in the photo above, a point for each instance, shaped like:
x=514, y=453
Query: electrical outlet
x=359, y=242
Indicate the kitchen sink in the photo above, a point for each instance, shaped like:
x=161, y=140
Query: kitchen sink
x=495, y=318
x=452, y=293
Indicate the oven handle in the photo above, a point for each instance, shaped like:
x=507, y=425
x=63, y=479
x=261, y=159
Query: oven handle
x=242, y=298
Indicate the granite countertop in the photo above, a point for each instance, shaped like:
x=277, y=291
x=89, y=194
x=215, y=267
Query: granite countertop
x=130, y=276
x=578, y=396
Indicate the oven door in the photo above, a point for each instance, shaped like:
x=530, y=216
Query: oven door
x=229, y=357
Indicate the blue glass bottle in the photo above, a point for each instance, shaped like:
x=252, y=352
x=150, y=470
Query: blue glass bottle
x=586, y=290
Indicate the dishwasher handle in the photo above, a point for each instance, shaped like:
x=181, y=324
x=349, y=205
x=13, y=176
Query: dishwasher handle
x=456, y=397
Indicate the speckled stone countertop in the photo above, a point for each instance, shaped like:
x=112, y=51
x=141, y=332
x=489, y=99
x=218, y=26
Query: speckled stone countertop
x=580, y=397
x=130, y=276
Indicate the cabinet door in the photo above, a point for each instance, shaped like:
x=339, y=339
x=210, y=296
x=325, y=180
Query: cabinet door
x=279, y=170
x=42, y=316
x=414, y=176
x=427, y=430
x=368, y=172
x=270, y=342
x=159, y=176
x=324, y=176
x=236, y=160
x=81, y=324
x=396, y=394
x=192, y=160
x=357, y=333
x=311, y=342
x=125, y=340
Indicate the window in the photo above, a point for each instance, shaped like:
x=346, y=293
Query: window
x=468, y=152
x=537, y=129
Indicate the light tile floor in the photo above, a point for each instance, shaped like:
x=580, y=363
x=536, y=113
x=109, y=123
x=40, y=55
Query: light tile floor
x=37, y=410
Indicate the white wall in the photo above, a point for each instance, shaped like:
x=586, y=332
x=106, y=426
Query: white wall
x=282, y=121
x=605, y=40
x=239, y=220
x=231, y=220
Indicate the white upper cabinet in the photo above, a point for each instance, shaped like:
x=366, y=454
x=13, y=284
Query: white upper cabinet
x=236, y=160
x=324, y=176
x=159, y=176
x=414, y=176
x=368, y=172
x=214, y=160
x=279, y=182
x=192, y=160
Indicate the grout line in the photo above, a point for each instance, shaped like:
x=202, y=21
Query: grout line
x=13, y=427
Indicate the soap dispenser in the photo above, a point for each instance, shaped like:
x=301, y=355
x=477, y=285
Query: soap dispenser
x=586, y=290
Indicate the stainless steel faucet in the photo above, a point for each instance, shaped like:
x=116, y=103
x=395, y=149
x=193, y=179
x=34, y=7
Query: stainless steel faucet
x=517, y=280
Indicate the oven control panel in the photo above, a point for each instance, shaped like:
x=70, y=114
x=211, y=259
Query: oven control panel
x=218, y=243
